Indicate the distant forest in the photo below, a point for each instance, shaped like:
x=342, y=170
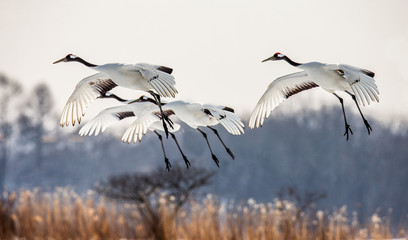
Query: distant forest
x=307, y=151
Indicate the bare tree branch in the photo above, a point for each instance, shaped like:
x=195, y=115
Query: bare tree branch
x=146, y=190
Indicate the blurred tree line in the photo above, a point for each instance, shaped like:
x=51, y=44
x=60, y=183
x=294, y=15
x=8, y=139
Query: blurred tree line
x=306, y=150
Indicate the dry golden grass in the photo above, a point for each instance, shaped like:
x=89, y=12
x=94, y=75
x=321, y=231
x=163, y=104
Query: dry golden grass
x=65, y=215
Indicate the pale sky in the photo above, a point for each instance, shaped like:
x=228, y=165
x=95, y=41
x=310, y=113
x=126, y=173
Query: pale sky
x=214, y=47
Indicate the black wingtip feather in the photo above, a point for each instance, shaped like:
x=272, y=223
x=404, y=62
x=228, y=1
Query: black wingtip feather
x=122, y=115
x=368, y=73
x=207, y=112
x=299, y=88
x=228, y=109
x=165, y=69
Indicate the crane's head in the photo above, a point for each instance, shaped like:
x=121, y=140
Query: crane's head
x=276, y=56
x=68, y=58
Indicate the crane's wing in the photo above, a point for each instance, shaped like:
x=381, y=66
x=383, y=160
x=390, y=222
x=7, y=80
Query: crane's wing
x=226, y=117
x=279, y=90
x=87, y=90
x=106, y=118
x=159, y=77
x=139, y=127
x=356, y=69
x=361, y=82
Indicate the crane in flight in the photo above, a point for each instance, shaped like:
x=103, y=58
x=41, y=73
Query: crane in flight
x=195, y=115
x=131, y=109
x=357, y=82
x=154, y=79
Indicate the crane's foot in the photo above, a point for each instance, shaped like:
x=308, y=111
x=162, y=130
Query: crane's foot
x=217, y=162
x=168, y=164
x=348, y=129
x=230, y=153
x=188, y=164
x=369, y=129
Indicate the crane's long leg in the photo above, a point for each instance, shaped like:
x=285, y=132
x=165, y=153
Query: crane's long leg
x=217, y=162
x=166, y=160
x=369, y=129
x=345, y=119
x=226, y=148
x=164, y=117
x=188, y=164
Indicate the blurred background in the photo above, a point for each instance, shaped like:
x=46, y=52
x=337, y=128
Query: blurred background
x=215, y=49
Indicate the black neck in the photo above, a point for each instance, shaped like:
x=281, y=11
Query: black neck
x=113, y=96
x=295, y=64
x=78, y=59
x=124, y=100
x=144, y=100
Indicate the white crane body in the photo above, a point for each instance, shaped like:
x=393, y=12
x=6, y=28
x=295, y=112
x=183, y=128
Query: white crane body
x=191, y=114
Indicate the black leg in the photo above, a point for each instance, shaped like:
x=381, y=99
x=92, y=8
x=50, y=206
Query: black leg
x=226, y=148
x=217, y=162
x=164, y=117
x=369, y=129
x=188, y=164
x=345, y=119
x=166, y=160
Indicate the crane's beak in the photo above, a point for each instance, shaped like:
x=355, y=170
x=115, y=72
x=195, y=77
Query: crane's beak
x=269, y=59
x=61, y=60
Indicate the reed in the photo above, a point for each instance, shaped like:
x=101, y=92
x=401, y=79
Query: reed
x=63, y=214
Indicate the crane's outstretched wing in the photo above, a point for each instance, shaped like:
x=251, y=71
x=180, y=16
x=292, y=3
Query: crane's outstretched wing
x=87, y=90
x=361, y=82
x=279, y=90
x=106, y=118
x=226, y=117
x=159, y=77
x=232, y=123
x=145, y=122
